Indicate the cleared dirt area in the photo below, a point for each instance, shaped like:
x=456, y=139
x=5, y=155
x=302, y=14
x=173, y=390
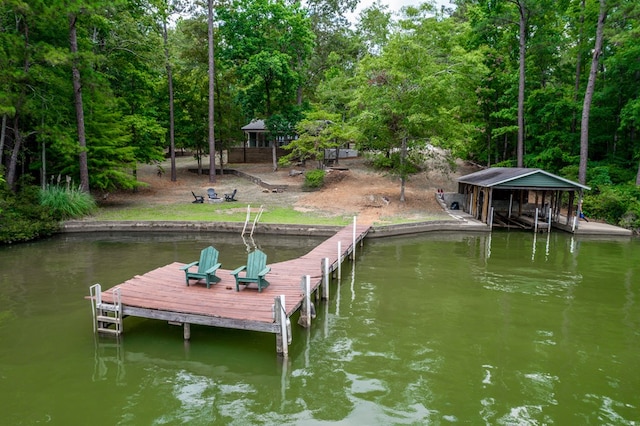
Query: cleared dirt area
x=352, y=188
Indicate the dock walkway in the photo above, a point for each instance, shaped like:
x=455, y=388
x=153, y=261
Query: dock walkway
x=162, y=293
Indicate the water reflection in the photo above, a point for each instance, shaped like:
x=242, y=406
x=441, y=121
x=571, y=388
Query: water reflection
x=420, y=330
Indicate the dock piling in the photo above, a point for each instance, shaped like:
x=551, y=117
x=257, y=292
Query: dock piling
x=306, y=313
x=325, y=278
x=339, y=260
x=283, y=337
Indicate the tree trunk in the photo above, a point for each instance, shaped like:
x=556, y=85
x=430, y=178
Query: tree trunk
x=172, y=132
x=299, y=89
x=77, y=97
x=588, y=95
x=212, y=71
x=274, y=155
x=43, y=168
x=13, y=160
x=574, y=120
x=638, y=176
x=521, y=82
x=403, y=179
x=3, y=134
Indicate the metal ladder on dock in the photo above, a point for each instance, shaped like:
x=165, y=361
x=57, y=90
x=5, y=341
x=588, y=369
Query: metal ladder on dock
x=106, y=315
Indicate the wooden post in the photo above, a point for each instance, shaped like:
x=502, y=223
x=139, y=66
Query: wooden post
x=353, y=253
x=535, y=222
x=306, y=312
x=510, y=204
x=339, y=260
x=187, y=331
x=490, y=205
x=521, y=202
x=282, y=337
x=325, y=278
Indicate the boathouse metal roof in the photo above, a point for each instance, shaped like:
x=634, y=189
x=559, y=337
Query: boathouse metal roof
x=519, y=178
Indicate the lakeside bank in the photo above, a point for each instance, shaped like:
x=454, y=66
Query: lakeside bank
x=460, y=224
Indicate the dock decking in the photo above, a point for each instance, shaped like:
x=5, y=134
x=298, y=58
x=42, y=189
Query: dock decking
x=162, y=293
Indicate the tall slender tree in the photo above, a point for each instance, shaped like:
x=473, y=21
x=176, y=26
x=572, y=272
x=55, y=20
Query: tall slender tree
x=523, y=16
x=211, y=74
x=77, y=98
x=588, y=95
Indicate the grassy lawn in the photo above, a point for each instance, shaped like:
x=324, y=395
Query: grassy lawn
x=221, y=213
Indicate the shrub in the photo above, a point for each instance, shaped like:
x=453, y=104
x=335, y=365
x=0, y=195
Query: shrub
x=631, y=219
x=22, y=218
x=393, y=162
x=618, y=205
x=314, y=179
x=66, y=202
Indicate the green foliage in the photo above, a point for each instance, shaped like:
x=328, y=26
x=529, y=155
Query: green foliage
x=282, y=125
x=66, y=202
x=313, y=179
x=380, y=161
x=320, y=130
x=420, y=90
x=600, y=175
x=618, y=205
x=22, y=218
x=268, y=43
x=393, y=162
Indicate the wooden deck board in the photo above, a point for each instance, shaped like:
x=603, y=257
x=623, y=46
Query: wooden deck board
x=163, y=291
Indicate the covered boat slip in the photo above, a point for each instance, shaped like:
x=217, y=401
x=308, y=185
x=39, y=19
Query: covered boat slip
x=521, y=198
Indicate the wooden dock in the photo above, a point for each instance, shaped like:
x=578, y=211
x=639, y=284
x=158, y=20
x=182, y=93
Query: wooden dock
x=162, y=293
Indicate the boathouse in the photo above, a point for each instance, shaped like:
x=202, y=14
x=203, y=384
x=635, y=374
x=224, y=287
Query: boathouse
x=517, y=197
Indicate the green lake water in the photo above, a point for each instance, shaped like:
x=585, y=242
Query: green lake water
x=506, y=329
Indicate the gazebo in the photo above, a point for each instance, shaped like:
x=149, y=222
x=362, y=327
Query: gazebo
x=256, y=132
x=518, y=197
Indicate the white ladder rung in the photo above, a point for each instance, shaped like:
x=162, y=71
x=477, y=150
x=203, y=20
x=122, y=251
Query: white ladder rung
x=105, y=314
x=105, y=318
x=109, y=330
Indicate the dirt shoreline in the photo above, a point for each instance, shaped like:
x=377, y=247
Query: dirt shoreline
x=352, y=189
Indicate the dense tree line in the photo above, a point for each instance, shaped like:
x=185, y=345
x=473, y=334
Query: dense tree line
x=91, y=88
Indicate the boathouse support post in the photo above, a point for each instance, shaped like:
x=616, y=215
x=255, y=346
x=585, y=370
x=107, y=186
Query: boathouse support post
x=491, y=218
x=510, y=204
x=282, y=337
x=325, y=278
x=535, y=222
x=570, y=207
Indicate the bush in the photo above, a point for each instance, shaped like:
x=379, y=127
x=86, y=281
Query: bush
x=22, y=218
x=313, y=179
x=631, y=219
x=66, y=202
x=618, y=205
x=393, y=162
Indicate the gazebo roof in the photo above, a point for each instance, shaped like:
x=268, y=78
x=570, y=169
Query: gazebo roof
x=255, y=126
x=519, y=178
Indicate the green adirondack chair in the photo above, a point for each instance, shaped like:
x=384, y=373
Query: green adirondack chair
x=207, y=267
x=254, y=271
